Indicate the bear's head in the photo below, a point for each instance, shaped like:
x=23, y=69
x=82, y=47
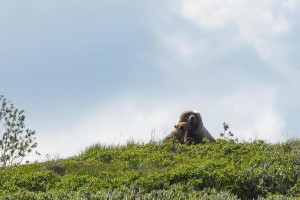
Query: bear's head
x=193, y=118
x=182, y=126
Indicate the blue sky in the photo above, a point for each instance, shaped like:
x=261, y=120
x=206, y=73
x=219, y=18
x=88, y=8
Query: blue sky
x=110, y=71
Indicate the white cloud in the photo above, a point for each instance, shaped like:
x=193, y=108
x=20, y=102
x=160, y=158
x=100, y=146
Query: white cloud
x=255, y=17
x=252, y=114
x=179, y=44
x=120, y=121
x=257, y=24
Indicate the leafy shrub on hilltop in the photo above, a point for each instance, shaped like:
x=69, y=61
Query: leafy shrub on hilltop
x=16, y=142
x=169, y=171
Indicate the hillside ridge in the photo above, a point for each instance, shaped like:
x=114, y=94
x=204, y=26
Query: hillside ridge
x=230, y=170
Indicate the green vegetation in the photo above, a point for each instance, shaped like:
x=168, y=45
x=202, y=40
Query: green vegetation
x=16, y=142
x=221, y=170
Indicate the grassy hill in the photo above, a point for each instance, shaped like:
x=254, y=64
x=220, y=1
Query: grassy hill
x=221, y=170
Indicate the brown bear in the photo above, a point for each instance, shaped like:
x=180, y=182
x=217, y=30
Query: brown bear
x=179, y=132
x=196, y=129
x=188, y=140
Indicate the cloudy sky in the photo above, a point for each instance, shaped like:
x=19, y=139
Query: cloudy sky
x=110, y=71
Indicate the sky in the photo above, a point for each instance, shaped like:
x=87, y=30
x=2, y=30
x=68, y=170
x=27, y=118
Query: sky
x=111, y=71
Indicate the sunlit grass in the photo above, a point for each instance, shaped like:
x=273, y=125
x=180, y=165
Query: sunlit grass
x=221, y=170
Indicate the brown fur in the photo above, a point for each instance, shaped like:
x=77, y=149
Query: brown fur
x=188, y=140
x=196, y=129
x=179, y=132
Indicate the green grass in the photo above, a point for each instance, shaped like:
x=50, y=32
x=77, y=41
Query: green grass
x=221, y=170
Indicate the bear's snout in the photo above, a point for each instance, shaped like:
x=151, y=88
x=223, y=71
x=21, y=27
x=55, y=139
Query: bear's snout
x=192, y=118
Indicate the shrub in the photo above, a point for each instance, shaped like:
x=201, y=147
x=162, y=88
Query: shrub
x=15, y=141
